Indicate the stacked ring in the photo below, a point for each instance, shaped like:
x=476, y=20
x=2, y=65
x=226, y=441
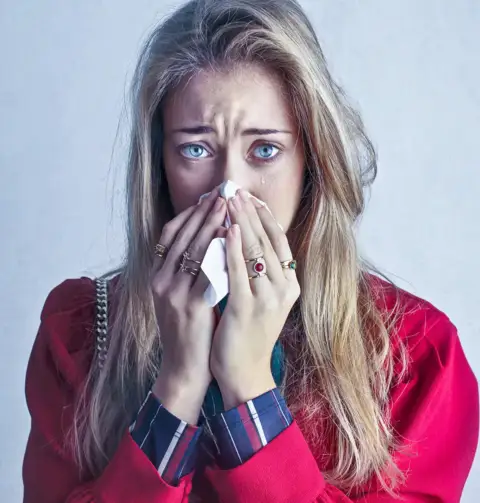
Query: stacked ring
x=190, y=270
x=186, y=256
x=185, y=268
x=160, y=250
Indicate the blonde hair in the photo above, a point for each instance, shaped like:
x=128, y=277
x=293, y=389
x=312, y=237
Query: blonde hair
x=340, y=362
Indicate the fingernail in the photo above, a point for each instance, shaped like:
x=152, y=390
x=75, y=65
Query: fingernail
x=202, y=198
x=237, y=204
x=243, y=194
x=219, y=203
x=257, y=203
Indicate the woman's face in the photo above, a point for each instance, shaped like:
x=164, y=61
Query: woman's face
x=235, y=125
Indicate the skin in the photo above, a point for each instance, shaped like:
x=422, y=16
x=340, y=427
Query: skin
x=233, y=104
x=211, y=126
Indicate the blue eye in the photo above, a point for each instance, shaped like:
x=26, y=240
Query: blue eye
x=266, y=152
x=193, y=151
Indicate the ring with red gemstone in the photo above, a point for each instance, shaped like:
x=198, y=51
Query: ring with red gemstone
x=257, y=266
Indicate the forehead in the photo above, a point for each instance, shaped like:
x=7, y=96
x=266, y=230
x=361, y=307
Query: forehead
x=249, y=96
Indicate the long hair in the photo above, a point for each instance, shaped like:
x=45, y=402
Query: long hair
x=340, y=362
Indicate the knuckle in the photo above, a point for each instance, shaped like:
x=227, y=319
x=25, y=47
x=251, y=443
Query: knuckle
x=239, y=307
x=279, y=241
x=168, y=232
x=195, y=309
x=253, y=251
x=196, y=250
x=156, y=269
x=271, y=304
x=174, y=301
x=156, y=285
x=190, y=308
x=270, y=301
x=264, y=241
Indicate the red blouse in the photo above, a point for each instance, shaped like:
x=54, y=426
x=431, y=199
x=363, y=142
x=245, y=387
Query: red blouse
x=435, y=409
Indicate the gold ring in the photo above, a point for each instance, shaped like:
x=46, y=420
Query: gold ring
x=160, y=250
x=289, y=264
x=190, y=270
x=185, y=268
x=186, y=256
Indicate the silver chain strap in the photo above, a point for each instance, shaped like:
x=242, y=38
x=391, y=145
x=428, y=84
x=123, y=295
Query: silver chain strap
x=101, y=320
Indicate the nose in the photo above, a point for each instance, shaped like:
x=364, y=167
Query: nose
x=232, y=166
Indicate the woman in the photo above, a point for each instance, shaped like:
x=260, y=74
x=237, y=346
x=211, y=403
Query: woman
x=324, y=383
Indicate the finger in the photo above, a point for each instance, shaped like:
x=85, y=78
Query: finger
x=251, y=247
x=202, y=281
x=200, y=284
x=274, y=268
x=188, y=232
x=239, y=286
x=169, y=233
x=198, y=247
x=278, y=240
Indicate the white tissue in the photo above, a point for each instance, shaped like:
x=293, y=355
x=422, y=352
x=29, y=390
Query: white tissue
x=214, y=264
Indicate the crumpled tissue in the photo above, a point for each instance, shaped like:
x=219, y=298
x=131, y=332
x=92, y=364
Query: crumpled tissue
x=214, y=265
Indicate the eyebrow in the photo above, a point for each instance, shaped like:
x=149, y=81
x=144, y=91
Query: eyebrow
x=246, y=132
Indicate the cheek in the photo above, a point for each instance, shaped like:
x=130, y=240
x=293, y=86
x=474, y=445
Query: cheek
x=185, y=188
x=180, y=197
x=283, y=206
x=282, y=193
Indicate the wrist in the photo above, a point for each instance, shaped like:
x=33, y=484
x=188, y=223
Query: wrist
x=238, y=391
x=182, y=395
x=192, y=377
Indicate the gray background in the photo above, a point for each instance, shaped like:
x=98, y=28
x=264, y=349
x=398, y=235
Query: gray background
x=412, y=68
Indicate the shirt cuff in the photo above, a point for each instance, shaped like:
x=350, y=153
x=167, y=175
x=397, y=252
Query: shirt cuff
x=169, y=442
x=244, y=430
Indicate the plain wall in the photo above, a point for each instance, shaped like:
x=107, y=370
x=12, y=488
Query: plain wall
x=411, y=67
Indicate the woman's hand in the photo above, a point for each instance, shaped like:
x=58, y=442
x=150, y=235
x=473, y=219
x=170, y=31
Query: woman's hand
x=185, y=321
x=257, y=308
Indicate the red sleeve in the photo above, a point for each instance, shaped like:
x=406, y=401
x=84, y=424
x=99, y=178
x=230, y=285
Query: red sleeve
x=58, y=364
x=435, y=409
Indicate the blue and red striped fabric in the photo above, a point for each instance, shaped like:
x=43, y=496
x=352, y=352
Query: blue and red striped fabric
x=172, y=445
x=244, y=430
x=169, y=442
